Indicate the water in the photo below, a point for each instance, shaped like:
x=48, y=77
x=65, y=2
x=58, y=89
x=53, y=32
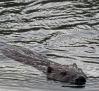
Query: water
x=66, y=31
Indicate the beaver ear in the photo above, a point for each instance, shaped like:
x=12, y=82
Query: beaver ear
x=49, y=69
x=75, y=65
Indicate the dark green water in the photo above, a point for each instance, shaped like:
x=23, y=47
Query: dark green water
x=66, y=31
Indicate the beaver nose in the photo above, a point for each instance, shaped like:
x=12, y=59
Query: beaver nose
x=80, y=80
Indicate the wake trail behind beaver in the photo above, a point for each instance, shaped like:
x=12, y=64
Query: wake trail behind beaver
x=26, y=56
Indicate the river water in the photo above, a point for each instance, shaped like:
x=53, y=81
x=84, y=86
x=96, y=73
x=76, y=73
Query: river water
x=65, y=31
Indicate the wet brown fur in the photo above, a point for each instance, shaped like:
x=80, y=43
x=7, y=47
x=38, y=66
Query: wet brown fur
x=53, y=70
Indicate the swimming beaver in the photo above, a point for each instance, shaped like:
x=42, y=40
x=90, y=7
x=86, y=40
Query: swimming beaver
x=53, y=70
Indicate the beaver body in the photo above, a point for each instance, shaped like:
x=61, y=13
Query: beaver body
x=53, y=70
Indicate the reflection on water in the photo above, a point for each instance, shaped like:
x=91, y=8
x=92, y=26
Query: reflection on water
x=66, y=31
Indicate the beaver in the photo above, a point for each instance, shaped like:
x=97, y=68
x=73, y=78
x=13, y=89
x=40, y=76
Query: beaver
x=55, y=71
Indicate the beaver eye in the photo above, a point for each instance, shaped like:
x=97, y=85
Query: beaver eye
x=63, y=73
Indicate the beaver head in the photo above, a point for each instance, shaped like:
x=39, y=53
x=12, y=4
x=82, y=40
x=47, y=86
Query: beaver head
x=66, y=73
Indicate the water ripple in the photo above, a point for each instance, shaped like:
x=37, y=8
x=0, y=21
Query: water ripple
x=66, y=31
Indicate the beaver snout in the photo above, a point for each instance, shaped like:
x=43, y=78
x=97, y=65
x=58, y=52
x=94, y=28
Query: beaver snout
x=80, y=80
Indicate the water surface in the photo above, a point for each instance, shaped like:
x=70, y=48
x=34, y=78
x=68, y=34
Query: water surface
x=66, y=31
